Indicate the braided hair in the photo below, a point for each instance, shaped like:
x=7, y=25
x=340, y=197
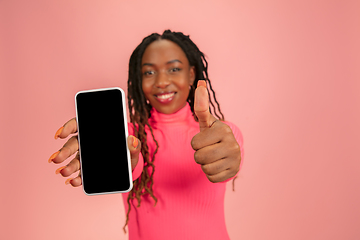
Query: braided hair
x=139, y=108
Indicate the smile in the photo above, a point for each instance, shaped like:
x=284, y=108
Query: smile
x=165, y=97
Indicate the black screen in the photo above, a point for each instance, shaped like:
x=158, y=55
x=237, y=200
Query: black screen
x=102, y=140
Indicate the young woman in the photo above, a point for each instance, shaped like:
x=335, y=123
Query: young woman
x=182, y=150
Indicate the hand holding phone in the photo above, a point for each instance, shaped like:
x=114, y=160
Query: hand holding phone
x=102, y=135
x=72, y=146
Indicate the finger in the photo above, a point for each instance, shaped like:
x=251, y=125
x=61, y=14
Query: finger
x=216, y=167
x=71, y=168
x=75, y=182
x=68, y=149
x=68, y=128
x=134, y=148
x=220, y=177
x=211, y=153
x=201, y=106
x=217, y=133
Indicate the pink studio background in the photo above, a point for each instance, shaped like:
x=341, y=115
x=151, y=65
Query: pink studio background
x=286, y=73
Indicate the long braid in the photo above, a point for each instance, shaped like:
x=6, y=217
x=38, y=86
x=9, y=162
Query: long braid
x=139, y=109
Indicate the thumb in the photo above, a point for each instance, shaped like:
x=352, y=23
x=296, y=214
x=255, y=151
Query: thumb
x=201, y=106
x=134, y=145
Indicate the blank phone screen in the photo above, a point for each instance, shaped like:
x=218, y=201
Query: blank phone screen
x=102, y=141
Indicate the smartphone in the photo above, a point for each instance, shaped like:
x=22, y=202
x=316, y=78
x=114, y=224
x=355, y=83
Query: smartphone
x=102, y=135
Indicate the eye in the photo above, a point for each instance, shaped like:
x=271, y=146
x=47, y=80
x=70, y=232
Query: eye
x=148, y=73
x=175, y=70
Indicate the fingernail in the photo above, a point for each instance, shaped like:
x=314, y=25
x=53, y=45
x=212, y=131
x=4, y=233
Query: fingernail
x=58, y=132
x=135, y=142
x=53, y=156
x=67, y=182
x=201, y=83
x=59, y=169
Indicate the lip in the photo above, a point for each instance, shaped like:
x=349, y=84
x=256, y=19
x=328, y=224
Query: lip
x=165, y=97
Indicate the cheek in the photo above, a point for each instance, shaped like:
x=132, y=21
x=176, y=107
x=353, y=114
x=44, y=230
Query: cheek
x=146, y=87
x=184, y=89
x=180, y=79
x=185, y=84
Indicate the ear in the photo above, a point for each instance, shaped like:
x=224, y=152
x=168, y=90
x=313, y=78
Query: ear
x=192, y=74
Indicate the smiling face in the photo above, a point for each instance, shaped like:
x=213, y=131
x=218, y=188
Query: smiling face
x=166, y=76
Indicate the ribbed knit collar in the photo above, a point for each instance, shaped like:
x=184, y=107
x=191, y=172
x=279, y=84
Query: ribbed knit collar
x=181, y=116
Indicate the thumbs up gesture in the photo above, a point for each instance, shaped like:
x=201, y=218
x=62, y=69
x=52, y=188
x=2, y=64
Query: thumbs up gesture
x=217, y=150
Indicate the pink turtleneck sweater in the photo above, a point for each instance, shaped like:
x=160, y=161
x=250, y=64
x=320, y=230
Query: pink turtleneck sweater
x=189, y=206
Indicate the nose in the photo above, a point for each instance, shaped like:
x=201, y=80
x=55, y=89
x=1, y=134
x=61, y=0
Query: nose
x=162, y=80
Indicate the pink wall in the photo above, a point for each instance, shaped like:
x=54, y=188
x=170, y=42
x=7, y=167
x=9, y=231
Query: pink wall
x=286, y=73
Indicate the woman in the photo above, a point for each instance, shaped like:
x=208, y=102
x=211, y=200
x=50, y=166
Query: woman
x=182, y=155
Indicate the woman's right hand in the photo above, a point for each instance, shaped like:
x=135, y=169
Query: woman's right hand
x=72, y=146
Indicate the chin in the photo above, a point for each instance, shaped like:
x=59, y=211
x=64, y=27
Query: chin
x=168, y=109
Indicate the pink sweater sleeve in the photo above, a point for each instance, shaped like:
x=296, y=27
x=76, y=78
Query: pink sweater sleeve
x=138, y=168
x=239, y=138
x=136, y=172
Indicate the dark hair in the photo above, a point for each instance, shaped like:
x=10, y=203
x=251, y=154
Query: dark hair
x=139, y=109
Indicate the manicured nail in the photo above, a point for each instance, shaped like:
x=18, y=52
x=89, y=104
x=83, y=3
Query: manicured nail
x=135, y=142
x=59, y=169
x=53, y=156
x=58, y=132
x=67, y=182
x=201, y=83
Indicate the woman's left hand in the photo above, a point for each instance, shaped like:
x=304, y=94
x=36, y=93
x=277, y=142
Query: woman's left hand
x=217, y=150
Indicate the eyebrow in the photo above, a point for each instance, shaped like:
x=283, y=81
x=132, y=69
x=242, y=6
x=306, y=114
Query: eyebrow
x=172, y=61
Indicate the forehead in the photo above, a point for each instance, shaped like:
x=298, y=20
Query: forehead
x=163, y=50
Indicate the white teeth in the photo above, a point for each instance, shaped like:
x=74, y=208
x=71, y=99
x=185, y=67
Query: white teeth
x=165, y=96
